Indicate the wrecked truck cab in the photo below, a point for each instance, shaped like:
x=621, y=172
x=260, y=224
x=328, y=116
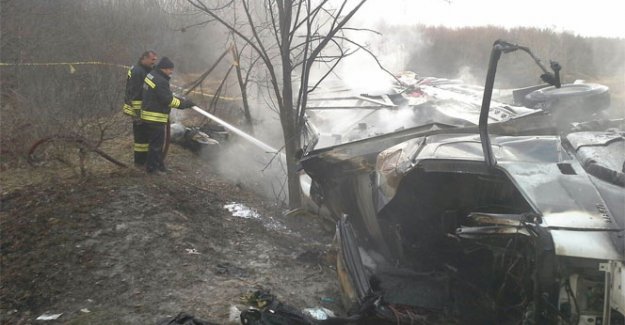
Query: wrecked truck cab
x=432, y=231
x=434, y=228
x=538, y=219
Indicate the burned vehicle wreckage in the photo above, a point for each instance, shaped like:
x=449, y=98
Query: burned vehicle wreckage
x=471, y=205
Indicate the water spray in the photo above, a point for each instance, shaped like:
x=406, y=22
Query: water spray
x=267, y=148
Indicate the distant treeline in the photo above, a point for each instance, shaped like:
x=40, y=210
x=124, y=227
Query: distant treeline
x=464, y=53
x=114, y=31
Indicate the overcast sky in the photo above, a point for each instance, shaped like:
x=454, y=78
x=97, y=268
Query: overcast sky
x=581, y=17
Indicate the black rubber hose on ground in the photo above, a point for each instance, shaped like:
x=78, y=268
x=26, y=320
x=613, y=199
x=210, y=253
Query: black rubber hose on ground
x=80, y=141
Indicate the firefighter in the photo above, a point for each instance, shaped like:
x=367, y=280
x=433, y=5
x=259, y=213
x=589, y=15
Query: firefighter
x=158, y=100
x=132, y=104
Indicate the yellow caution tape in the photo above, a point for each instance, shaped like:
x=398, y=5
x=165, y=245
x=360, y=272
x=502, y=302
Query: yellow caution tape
x=72, y=70
x=4, y=64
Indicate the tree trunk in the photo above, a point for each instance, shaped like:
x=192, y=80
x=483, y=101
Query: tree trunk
x=288, y=113
x=243, y=87
x=291, y=148
x=291, y=140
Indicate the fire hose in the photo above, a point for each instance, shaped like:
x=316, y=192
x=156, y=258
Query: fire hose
x=83, y=143
x=251, y=139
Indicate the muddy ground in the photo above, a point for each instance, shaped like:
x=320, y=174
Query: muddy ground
x=121, y=247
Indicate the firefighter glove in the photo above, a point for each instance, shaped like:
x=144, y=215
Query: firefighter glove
x=186, y=104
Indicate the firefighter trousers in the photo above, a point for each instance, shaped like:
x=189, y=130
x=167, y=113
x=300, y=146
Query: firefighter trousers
x=141, y=139
x=156, y=141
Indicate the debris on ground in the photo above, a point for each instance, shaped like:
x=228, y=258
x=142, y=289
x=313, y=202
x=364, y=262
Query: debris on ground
x=49, y=316
x=133, y=249
x=184, y=319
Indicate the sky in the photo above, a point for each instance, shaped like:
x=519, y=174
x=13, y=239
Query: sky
x=585, y=18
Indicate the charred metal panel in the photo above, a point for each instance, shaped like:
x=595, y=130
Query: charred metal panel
x=361, y=155
x=617, y=290
x=351, y=257
x=565, y=201
x=605, y=148
x=586, y=244
x=391, y=166
x=585, y=139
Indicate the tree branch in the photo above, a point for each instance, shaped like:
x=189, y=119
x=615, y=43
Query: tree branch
x=343, y=55
x=331, y=34
x=362, y=47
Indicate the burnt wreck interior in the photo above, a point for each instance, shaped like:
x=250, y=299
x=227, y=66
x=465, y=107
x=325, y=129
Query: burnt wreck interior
x=480, y=281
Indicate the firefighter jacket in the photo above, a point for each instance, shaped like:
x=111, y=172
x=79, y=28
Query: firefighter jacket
x=134, y=89
x=157, y=98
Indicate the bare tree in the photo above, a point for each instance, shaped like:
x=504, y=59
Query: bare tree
x=243, y=81
x=290, y=37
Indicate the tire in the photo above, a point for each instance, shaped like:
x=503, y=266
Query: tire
x=565, y=92
x=572, y=102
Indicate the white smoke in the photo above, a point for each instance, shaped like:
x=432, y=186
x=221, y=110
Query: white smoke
x=465, y=74
x=251, y=168
x=392, y=46
x=248, y=165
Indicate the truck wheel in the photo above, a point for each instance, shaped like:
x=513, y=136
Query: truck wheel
x=590, y=92
x=571, y=102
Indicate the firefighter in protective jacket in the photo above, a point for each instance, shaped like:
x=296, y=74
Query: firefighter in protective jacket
x=158, y=100
x=132, y=104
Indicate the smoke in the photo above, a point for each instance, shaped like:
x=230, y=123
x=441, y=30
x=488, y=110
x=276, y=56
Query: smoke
x=389, y=46
x=465, y=74
x=249, y=167
x=265, y=173
x=428, y=51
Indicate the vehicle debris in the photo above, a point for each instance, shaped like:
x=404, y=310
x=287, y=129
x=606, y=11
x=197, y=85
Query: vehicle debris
x=234, y=314
x=327, y=299
x=192, y=251
x=192, y=138
x=458, y=203
x=184, y=319
x=318, y=313
x=49, y=316
x=268, y=310
x=230, y=270
x=241, y=210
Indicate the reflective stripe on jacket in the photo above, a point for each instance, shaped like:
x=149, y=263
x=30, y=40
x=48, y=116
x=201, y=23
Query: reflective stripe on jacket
x=134, y=89
x=157, y=98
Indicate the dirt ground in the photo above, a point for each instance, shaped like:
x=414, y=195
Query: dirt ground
x=122, y=247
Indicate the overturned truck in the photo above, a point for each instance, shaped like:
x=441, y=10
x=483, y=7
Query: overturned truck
x=466, y=204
